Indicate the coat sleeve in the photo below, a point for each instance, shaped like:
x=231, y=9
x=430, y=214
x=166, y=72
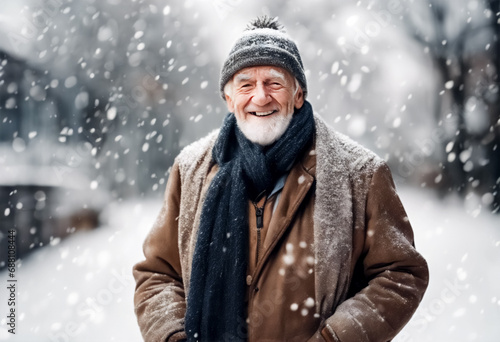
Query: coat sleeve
x=159, y=296
x=395, y=274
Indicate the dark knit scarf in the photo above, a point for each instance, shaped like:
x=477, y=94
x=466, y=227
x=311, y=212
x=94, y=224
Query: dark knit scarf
x=216, y=308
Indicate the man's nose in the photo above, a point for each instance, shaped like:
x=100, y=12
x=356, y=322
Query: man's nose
x=261, y=95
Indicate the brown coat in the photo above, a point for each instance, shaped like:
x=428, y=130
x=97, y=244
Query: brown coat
x=337, y=260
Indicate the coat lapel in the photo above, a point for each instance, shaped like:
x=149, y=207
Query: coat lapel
x=195, y=162
x=340, y=164
x=333, y=221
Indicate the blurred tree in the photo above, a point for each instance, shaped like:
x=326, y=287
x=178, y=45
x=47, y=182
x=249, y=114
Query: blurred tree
x=462, y=41
x=492, y=96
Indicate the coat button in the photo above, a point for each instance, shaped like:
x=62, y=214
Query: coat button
x=249, y=280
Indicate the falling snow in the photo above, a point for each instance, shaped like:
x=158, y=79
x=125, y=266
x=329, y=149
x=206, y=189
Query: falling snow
x=101, y=97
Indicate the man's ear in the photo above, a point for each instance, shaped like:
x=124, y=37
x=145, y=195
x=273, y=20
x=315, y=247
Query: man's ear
x=299, y=98
x=230, y=104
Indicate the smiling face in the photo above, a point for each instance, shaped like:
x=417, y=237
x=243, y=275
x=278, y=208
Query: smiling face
x=263, y=99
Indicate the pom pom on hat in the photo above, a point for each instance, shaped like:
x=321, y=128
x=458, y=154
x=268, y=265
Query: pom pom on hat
x=265, y=22
x=264, y=43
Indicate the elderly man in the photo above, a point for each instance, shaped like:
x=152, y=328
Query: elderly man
x=277, y=228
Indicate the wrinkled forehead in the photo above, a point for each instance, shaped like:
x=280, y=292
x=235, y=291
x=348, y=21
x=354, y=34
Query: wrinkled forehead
x=264, y=72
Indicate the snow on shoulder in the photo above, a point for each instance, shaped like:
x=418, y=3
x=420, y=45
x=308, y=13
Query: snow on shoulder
x=341, y=150
x=196, y=150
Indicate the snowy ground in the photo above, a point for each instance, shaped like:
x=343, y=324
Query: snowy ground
x=462, y=247
x=81, y=289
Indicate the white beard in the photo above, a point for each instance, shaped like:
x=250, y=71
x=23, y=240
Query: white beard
x=266, y=132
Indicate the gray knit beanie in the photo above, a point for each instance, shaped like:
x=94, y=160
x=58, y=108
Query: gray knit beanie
x=264, y=42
